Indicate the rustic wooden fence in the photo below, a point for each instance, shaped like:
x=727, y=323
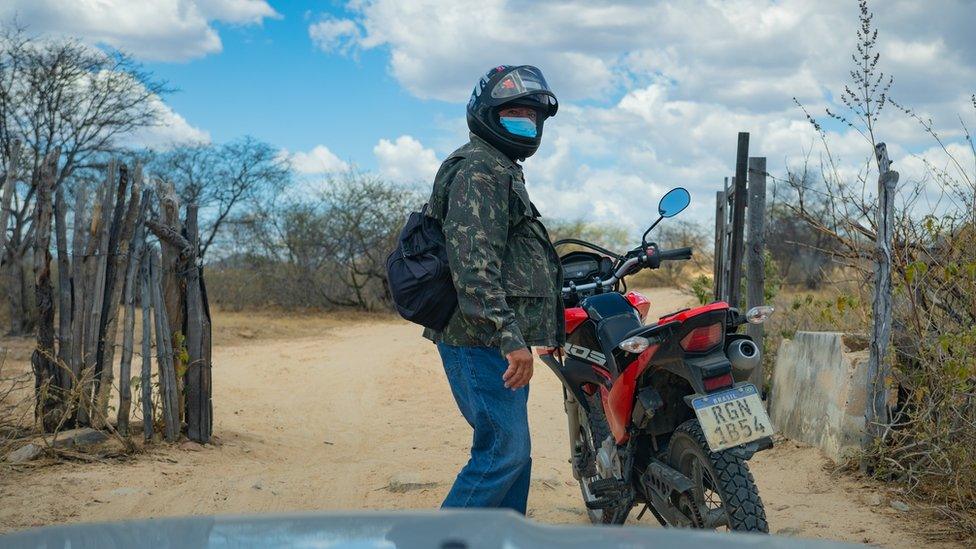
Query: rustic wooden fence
x=740, y=234
x=876, y=415
x=112, y=266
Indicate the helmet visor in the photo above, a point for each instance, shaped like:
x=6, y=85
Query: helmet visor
x=528, y=82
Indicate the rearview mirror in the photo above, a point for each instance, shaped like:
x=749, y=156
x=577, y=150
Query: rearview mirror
x=674, y=202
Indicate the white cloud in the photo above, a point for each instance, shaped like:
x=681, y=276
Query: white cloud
x=754, y=54
x=158, y=30
x=653, y=94
x=235, y=11
x=405, y=159
x=331, y=34
x=171, y=130
x=319, y=160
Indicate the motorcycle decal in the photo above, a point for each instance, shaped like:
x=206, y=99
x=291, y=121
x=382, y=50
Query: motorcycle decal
x=586, y=354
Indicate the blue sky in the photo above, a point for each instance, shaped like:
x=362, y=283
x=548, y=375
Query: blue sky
x=272, y=82
x=651, y=93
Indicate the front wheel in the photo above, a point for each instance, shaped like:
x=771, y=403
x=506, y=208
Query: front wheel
x=725, y=492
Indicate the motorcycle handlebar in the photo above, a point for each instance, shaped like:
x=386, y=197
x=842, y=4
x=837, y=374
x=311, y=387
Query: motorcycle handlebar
x=625, y=268
x=677, y=253
x=607, y=281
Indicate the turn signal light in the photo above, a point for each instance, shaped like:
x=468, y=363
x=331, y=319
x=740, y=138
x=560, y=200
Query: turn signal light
x=702, y=339
x=759, y=314
x=636, y=344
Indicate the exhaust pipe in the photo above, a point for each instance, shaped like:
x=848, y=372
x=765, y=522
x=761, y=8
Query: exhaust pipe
x=744, y=355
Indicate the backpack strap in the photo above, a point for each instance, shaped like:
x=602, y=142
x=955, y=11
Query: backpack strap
x=436, y=206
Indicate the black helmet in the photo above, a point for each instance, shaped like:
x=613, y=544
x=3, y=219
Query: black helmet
x=510, y=86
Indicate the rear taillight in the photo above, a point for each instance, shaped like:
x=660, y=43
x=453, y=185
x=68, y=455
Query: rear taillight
x=703, y=338
x=717, y=382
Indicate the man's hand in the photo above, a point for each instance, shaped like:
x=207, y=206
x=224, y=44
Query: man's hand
x=519, y=370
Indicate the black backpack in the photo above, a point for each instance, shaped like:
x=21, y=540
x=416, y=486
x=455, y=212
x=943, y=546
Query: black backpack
x=418, y=273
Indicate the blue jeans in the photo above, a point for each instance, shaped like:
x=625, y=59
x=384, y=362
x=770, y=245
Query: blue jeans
x=497, y=474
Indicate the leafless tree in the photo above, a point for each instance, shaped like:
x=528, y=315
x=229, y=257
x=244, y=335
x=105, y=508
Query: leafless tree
x=222, y=179
x=674, y=233
x=325, y=250
x=803, y=254
x=60, y=94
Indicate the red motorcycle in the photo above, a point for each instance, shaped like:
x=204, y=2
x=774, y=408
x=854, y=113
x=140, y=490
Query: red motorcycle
x=659, y=414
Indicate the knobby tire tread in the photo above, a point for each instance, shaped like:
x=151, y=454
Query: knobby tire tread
x=738, y=487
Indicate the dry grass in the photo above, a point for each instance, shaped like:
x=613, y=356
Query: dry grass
x=16, y=403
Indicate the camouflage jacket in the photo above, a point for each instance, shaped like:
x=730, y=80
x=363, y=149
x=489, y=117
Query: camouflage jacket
x=505, y=269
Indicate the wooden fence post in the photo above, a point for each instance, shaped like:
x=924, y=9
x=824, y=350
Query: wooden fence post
x=9, y=182
x=197, y=380
x=721, y=216
x=114, y=285
x=727, y=239
x=755, y=254
x=64, y=291
x=47, y=392
x=78, y=286
x=878, y=368
x=738, y=219
x=136, y=256
x=172, y=264
x=164, y=354
x=145, y=375
x=109, y=304
x=94, y=280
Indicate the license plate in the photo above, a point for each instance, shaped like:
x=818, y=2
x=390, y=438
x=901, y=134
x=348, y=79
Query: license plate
x=732, y=417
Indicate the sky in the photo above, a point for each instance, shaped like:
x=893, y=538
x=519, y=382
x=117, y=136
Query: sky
x=652, y=94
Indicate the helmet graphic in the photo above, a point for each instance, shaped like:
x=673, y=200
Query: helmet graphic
x=510, y=86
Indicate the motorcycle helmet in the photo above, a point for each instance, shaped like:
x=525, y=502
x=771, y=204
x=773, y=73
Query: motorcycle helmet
x=510, y=86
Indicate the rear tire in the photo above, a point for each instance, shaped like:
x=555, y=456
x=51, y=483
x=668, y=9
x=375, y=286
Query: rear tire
x=725, y=491
x=599, y=430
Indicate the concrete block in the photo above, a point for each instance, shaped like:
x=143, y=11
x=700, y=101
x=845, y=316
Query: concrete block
x=819, y=390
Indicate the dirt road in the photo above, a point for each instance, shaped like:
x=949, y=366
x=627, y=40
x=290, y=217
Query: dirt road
x=324, y=413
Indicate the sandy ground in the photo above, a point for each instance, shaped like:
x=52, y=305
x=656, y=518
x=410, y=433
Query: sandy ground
x=316, y=413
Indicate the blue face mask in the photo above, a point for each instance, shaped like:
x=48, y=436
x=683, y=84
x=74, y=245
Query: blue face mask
x=518, y=125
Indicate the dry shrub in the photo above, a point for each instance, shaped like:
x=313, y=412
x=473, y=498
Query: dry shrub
x=323, y=250
x=16, y=404
x=20, y=424
x=928, y=446
x=838, y=306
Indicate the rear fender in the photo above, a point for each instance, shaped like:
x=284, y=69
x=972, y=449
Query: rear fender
x=749, y=449
x=574, y=374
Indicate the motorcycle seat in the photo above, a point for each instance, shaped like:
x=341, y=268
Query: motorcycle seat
x=611, y=331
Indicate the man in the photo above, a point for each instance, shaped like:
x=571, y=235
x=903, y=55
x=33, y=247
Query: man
x=508, y=281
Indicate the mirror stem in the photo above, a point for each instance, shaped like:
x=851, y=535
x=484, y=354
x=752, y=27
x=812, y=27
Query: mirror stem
x=644, y=237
